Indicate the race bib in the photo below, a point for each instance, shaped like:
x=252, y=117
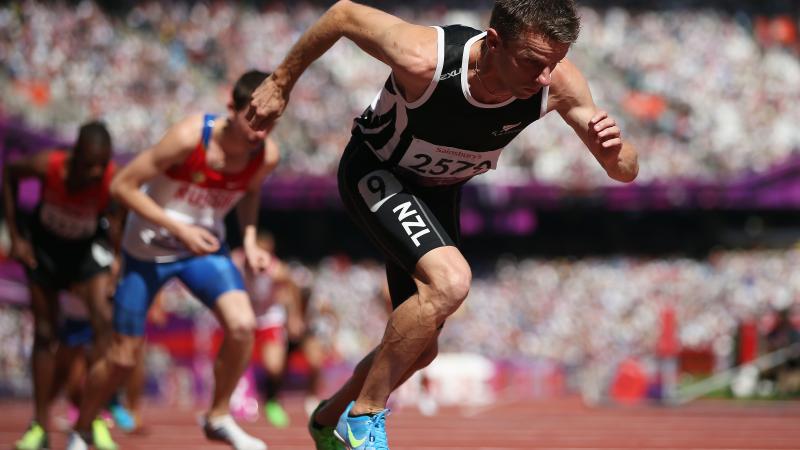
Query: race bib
x=65, y=223
x=446, y=165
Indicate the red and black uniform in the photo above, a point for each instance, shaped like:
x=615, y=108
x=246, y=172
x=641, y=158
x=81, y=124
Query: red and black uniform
x=65, y=231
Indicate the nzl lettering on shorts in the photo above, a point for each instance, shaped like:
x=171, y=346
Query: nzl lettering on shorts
x=403, y=212
x=379, y=186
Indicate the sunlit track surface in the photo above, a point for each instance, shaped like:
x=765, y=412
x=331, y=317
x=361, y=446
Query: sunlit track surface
x=553, y=424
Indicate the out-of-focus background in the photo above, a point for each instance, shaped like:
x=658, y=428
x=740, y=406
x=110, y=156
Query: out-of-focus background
x=684, y=284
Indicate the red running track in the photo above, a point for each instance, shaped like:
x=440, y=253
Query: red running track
x=552, y=424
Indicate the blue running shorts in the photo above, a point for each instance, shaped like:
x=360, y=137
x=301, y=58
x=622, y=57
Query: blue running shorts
x=207, y=277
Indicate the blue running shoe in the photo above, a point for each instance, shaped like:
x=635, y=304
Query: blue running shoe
x=122, y=417
x=363, y=432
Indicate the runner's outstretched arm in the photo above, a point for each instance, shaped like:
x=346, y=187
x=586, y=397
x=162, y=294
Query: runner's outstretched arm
x=410, y=51
x=571, y=97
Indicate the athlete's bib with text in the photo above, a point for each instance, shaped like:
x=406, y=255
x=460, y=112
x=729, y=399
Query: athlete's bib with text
x=437, y=164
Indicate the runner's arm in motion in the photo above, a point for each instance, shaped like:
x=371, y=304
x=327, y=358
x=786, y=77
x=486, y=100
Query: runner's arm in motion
x=571, y=97
x=247, y=211
x=409, y=50
x=27, y=167
x=174, y=147
x=115, y=214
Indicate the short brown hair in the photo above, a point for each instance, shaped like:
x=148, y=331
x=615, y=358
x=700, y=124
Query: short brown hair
x=245, y=86
x=555, y=19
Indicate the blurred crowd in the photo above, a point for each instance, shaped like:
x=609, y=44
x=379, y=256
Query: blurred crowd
x=577, y=314
x=705, y=94
x=573, y=311
x=16, y=340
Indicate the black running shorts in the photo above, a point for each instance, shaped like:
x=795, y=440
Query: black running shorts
x=62, y=263
x=405, y=221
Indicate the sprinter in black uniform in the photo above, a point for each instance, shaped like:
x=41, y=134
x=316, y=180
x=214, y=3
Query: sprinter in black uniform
x=456, y=96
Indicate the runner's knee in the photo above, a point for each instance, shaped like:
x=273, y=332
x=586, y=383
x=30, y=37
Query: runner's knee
x=124, y=351
x=448, y=289
x=241, y=329
x=44, y=337
x=236, y=316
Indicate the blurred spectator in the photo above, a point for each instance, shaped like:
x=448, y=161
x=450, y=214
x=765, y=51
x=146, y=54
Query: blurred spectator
x=785, y=377
x=783, y=334
x=706, y=93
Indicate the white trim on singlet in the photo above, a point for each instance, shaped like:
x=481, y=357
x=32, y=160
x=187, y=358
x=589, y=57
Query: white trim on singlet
x=435, y=81
x=543, y=108
x=465, y=83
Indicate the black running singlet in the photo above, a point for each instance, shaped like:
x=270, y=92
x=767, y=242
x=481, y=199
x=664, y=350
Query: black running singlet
x=446, y=136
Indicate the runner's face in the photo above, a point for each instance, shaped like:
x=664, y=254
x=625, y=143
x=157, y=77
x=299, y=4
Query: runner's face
x=89, y=165
x=525, y=64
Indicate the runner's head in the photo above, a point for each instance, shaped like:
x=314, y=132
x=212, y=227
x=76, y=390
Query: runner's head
x=240, y=98
x=90, y=155
x=527, y=38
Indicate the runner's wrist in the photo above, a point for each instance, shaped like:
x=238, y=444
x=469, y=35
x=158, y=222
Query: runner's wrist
x=282, y=79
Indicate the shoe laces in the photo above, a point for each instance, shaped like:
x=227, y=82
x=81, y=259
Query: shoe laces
x=377, y=435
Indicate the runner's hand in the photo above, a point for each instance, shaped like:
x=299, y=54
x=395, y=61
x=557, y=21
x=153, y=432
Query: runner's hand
x=198, y=240
x=605, y=135
x=258, y=259
x=266, y=104
x=22, y=251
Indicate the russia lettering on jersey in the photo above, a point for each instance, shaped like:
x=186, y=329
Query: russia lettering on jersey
x=71, y=215
x=193, y=193
x=200, y=197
